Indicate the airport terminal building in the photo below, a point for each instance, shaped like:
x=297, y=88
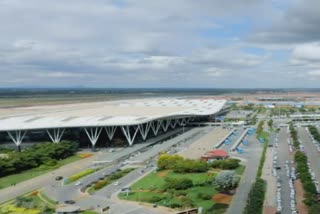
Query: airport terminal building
x=128, y=117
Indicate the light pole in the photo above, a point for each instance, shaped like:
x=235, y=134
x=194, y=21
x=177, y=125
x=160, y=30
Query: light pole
x=183, y=125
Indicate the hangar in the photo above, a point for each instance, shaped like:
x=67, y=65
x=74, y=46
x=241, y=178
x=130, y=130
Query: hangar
x=131, y=116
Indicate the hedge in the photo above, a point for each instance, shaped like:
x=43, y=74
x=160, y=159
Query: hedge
x=256, y=197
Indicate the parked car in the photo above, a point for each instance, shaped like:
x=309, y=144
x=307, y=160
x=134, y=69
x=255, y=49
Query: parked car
x=58, y=178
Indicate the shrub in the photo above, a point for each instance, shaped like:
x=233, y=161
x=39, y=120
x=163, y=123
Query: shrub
x=166, y=161
x=204, y=196
x=80, y=175
x=154, y=199
x=188, y=166
x=230, y=163
x=178, y=183
x=225, y=181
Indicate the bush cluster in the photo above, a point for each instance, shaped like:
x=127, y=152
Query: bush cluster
x=177, y=183
x=39, y=154
x=111, y=178
x=80, y=175
x=230, y=163
x=188, y=166
x=180, y=165
x=256, y=197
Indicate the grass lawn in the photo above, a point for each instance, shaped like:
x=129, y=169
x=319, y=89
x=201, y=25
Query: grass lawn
x=153, y=180
x=34, y=205
x=26, y=175
x=149, y=189
x=88, y=212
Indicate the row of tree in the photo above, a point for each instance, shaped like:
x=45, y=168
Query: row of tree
x=256, y=197
x=309, y=187
x=39, y=154
x=314, y=132
x=180, y=165
x=294, y=136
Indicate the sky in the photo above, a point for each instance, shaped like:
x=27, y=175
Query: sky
x=160, y=44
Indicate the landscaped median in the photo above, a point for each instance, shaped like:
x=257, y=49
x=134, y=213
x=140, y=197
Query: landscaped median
x=182, y=184
x=35, y=202
x=31, y=203
x=79, y=175
x=108, y=179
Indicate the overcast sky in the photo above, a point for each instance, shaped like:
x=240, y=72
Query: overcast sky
x=153, y=43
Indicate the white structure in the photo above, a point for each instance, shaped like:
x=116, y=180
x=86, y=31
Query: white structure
x=131, y=116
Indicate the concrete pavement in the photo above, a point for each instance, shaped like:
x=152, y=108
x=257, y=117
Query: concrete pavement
x=252, y=156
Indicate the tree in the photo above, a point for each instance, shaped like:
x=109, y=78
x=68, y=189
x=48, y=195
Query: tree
x=270, y=123
x=225, y=181
x=166, y=161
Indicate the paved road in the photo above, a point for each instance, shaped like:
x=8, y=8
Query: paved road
x=72, y=168
x=233, y=139
x=311, y=151
x=103, y=196
x=252, y=155
x=283, y=155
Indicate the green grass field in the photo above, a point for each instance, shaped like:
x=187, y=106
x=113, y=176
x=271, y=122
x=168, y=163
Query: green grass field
x=150, y=187
x=26, y=175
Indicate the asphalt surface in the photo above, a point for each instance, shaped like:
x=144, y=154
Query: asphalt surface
x=103, y=196
x=311, y=151
x=47, y=180
x=283, y=155
x=251, y=156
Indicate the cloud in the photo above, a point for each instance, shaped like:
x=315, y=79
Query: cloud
x=297, y=24
x=155, y=43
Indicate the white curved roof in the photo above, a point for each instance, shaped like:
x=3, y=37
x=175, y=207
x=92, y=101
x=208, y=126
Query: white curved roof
x=111, y=113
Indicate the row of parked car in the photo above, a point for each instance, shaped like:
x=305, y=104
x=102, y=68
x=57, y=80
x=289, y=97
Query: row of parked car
x=292, y=176
x=316, y=143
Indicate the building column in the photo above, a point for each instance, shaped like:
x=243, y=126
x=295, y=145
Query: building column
x=110, y=131
x=173, y=123
x=180, y=122
x=17, y=137
x=56, y=135
x=127, y=134
x=155, y=126
x=144, y=130
x=93, y=135
x=165, y=125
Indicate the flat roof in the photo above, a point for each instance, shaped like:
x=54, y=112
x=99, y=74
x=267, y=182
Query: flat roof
x=109, y=113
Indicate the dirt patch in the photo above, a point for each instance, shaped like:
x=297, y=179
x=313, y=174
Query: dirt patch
x=301, y=207
x=222, y=198
x=269, y=210
x=163, y=173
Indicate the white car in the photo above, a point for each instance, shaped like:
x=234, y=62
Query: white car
x=116, y=183
x=78, y=183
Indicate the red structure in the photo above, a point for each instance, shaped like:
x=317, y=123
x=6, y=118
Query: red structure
x=218, y=154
